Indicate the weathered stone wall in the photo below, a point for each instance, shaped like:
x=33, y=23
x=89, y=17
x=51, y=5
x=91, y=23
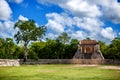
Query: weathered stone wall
x=71, y=61
x=9, y=62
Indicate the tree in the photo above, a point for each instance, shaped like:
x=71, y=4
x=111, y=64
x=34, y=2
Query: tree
x=2, y=48
x=18, y=53
x=7, y=48
x=63, y=38
x=114, y=49
x=74, y=41
x=71, y=48
x=37, y=50
x=103, y=48
x=111, y=51
x=10, y=47
x=87, y=38
x=28, y=31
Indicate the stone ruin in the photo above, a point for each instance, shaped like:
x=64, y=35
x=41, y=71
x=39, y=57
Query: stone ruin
x=88, y=49
x=9, y=62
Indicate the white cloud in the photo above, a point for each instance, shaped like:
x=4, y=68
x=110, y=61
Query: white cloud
x=78, y=35
x=79, y=8
x=6, y=29
x=62, y=18
x=22, y=18
x=109, y=9
x=54, y=26
x=86, y=27
x=89, y=24
x=58, y=22
x=119, y=33
x=16, y=1
x=52, y=35
x=86, y=18
x=108, y=33
x=82, y=8
x=5, y=11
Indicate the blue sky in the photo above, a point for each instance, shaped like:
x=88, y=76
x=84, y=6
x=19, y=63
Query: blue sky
x=99, y=19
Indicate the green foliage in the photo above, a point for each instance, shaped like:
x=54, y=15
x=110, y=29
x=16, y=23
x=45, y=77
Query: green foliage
x=111, y=51
x=54, y=49
x=63, y=38
x=18, y=53
x=70, y=49
x=7, y=48
x=28, y=31
x=87, y=38
x=36, y=50
x=103, y=48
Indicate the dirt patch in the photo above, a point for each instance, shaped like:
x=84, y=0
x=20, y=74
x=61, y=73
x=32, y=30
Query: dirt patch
x=97, y=66
x=109, y=67
x=75, y=66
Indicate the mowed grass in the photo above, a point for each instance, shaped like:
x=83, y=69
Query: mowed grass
x=58, y=72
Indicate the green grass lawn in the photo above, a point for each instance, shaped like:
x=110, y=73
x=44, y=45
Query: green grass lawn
x=58, y=72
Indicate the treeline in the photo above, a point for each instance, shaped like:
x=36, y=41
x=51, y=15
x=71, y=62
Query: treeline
x=111, y=51
x=60, y=48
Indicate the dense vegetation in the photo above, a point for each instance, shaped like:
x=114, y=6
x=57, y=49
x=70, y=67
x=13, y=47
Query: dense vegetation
x=63, y=47
x=53, y=49
x=58, y=72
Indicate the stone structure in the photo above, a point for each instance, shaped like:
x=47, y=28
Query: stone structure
x=70, y=61
x=9, y=62
x=88, y=49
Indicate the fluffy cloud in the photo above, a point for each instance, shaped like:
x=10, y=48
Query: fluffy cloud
x=6, y=26
x=81, y=8
x=22, y=18
x=108, y=9
x=54, y=26
x=78, y=35
x=108, y=33
x=86, y=27
x=51, y=35
x=16, y=1
x=58, y=22
x=86, y=18
x=5, y=11
x=89, y=24
x=6, y=29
